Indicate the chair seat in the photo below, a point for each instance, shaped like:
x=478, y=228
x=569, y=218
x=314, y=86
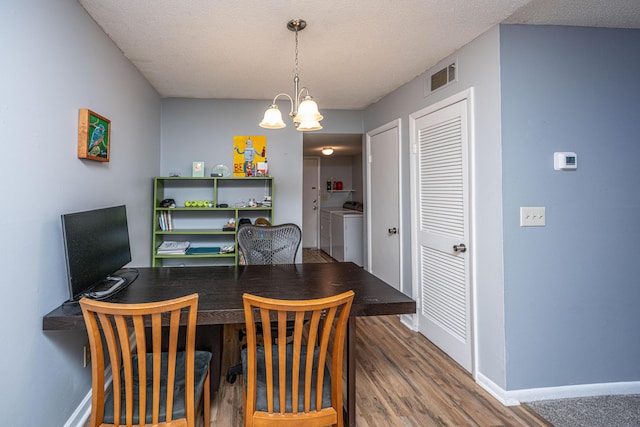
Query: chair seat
x=201, y=365
x=261, y=381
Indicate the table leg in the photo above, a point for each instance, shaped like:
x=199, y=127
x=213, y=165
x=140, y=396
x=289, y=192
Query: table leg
x=351, y=373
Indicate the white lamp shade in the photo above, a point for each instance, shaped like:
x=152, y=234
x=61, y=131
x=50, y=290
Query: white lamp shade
x=272, y=118
x=309, y=125
x=308, y=111
x=327, y=151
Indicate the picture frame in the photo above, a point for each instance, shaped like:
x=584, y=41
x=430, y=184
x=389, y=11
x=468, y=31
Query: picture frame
x=248, y=151
x=198, y=169
x=94, y=134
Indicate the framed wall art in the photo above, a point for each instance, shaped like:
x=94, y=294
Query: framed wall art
x=247, y=152
x=94, y=132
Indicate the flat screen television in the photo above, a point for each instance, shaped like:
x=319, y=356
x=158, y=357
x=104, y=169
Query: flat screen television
x=96, y=244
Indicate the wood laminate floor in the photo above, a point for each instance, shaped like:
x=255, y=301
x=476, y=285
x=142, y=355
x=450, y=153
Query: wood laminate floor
x=402, y=379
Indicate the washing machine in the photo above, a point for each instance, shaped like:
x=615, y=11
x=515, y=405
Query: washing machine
x=347, y=236
x=325, y=223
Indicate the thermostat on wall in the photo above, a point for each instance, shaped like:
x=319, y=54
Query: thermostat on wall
x=563, y=161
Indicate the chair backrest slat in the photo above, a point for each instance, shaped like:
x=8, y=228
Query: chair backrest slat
x=173, y=345
x=125, y=348
x=308, y=375
x=297, y=348
x=138, y=325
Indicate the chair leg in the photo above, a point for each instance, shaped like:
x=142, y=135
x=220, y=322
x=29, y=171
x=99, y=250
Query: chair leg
x=207, y=401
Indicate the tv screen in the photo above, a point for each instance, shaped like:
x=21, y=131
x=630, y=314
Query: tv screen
x=96, y=245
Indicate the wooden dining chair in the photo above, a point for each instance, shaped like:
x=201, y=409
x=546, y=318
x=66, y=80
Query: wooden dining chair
x=305, y=373
x=152, y=380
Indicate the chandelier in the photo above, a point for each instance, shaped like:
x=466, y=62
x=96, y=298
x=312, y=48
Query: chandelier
x=304, y=110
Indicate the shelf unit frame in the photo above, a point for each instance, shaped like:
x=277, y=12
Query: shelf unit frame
x=203, y=226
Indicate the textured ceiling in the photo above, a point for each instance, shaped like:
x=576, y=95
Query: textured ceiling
x=351, y=54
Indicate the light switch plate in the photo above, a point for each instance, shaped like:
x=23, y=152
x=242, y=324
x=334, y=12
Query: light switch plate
x=532, y=216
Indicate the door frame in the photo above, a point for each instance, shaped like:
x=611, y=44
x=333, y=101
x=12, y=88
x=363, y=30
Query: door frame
x=467, y=95
x=397, y=124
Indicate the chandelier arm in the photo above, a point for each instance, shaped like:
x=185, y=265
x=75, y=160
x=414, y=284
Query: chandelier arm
x=284, y=94
x=300, y=98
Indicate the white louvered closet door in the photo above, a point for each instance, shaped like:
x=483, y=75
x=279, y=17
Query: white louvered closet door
x=442, y=214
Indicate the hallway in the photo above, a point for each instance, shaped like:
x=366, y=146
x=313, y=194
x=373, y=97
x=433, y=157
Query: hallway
x=310, y=256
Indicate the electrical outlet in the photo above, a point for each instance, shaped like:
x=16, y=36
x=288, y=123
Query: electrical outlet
x=532, y=217
x=86, y=355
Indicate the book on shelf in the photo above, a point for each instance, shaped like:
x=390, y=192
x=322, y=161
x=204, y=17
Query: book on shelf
x=203, y=250
x=169, y=247
x=165, y=221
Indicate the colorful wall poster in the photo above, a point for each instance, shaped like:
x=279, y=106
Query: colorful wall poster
x=248, y=151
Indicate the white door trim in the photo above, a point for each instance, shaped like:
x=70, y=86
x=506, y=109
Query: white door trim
x=467, y=95
x=397, y=124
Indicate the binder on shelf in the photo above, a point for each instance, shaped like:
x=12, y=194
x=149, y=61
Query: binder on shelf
x=169, y=247
x=203, y=250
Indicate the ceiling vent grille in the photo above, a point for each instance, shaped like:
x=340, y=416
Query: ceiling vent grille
x=440, y=78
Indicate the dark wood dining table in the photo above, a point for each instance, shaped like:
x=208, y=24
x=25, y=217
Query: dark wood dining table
x=220, y=290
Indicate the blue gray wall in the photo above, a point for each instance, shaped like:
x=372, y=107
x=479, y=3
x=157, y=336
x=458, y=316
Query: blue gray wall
x=572, y=294
x=203, y=130
x=556, y=306
x=56, y=60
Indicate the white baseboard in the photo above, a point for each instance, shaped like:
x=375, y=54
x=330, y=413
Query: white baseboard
x=495, y=390
x=515, y=397
x=80, y=416
x=408, y=320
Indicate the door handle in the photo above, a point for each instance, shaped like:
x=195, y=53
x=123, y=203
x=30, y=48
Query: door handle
x=315, y=207
x=461, y=248
x=393, y=230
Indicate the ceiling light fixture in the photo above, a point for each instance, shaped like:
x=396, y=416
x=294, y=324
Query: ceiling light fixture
x=304, y=111
x=327, y=151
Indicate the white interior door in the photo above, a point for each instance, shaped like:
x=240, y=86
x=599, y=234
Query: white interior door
x=383, y=195
x=440, y=218
x=310, y=202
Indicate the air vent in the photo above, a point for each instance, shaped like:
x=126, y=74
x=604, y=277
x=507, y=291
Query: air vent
x=441, y=78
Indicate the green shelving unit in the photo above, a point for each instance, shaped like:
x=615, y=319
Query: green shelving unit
x=218, y=201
